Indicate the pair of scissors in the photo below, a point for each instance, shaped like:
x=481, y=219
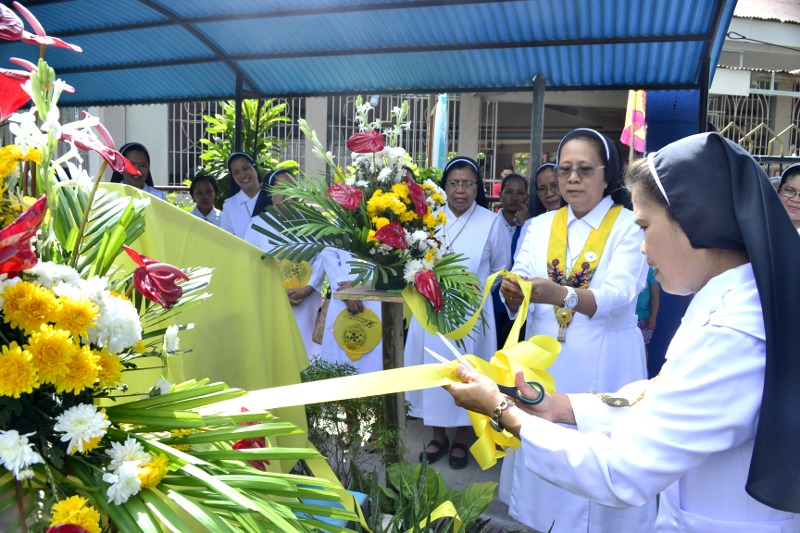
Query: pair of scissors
x=511, y=391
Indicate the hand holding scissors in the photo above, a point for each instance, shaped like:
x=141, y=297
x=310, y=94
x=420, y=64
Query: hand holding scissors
x=510, y=391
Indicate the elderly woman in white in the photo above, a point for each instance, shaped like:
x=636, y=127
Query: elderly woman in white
x=716, y=433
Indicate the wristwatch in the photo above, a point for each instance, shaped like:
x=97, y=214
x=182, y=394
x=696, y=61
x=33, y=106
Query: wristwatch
x=571, y=300
x=494, y=422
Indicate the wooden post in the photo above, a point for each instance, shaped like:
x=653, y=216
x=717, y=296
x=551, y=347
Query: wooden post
x=392, y=336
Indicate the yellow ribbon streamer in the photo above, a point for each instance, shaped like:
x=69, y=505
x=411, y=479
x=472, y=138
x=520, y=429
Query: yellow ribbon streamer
x=445, y=510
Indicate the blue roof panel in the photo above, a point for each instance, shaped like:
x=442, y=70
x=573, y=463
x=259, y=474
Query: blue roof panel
x=293, y=47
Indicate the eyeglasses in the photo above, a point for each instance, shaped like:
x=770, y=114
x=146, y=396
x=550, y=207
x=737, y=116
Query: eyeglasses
x=542, y=191
x=583, y=172
x=788, y=192
x=455, y=185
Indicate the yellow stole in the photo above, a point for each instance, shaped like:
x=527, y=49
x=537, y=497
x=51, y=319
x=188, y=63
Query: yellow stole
x=584, y=266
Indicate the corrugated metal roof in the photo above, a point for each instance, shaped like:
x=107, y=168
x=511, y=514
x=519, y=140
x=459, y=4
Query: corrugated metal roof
x=161, y=50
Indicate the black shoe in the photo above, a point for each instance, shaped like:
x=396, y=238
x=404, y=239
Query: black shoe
x=441, y=449
x=457, y=463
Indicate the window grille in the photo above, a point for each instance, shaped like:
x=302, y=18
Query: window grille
x=737, y=116
x=186, y=128
x=794, y=138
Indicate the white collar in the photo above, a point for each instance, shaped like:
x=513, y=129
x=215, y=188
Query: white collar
x=594, y=217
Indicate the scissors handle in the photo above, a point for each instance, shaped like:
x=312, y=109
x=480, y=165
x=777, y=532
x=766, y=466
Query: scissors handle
x=514, y=393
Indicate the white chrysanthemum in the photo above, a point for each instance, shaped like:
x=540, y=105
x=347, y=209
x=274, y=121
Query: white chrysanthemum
x=171, y=340
x=5, y=282
x=350, y=181
x=95, y=289
x=50, y=274
x=80, y=425
x=118, y=327
x=163, y=386
x=124, y=482
x=419, y=236
x=17, y=454
x=410, y=270
x=128, y=451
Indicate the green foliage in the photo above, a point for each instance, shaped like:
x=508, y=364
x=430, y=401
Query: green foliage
x=413, y=493
x=259, y=117
x=346, y=431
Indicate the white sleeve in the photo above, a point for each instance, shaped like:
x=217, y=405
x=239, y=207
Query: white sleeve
x=708, y=402
x=255, y=237
x=225, y=218
x=317, y=273
x=499, y=246
x=626, y=273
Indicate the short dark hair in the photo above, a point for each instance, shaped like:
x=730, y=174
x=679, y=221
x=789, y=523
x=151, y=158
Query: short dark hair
x=202, y=177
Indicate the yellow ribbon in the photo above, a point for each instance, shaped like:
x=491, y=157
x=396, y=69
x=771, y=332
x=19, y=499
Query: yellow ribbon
x=533, y=357
x=445, y=510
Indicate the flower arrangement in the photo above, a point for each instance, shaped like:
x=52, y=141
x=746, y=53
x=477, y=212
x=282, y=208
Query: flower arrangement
x=81, y=450
x=376, y=210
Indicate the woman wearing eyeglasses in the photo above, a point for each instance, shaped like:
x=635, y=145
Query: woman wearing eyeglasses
x=478, y=234
x=789, y=190
x=587, y=269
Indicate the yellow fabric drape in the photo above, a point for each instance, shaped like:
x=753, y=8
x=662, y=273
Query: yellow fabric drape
x=245, y=334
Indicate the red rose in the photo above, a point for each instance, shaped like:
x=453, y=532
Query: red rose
x=392, y=234
x=366, y=142
x=156, y=281
x=16, y=252
x=417, y=195
x=346, y=196
x=428, y=286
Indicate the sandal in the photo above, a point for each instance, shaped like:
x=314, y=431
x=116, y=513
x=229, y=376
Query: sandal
x=441, y=449
x=457, y=463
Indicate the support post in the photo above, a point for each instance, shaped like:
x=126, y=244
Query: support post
x=537, y=134
x=237, y=134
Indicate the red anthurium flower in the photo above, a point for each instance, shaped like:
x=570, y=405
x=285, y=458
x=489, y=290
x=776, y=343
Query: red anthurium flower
x=87, y=141
x=257, y=442
x=12, y=95
x=66, y=528
x=417, y=195
x=38, y=37
x=11, y=26
x=366, y=142
x=345, y=195
x=16, y=252
x=392, y=234
x=156, y=281
x=428, y=286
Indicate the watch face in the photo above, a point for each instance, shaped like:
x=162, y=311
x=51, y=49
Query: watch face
x=571, y=300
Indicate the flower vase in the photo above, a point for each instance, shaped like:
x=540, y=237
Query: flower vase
x=394, y=283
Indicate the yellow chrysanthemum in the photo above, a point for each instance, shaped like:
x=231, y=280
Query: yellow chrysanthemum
x=371, y=238
x=77, y=511
x=429, y=220
x=179, y=434
x=438, y=198
x=28, y=306
x=400, y=189
x=408, y=216
x=442, y=218
x=82, y=373
x=17, y=373
x=52, y=351
x=398, y=207
x=76, y=316
x=11, y=155
x=379, y=222
x=429, y=255
x=109, y=368
x=140, y=347
x=153, y=472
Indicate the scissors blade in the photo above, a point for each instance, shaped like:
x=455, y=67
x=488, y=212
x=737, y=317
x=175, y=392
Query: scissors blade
x=456, y=353
x=438, y=357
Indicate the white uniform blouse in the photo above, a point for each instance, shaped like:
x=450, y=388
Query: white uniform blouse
x=237, y=213
x=214, y=216
x=689, y=438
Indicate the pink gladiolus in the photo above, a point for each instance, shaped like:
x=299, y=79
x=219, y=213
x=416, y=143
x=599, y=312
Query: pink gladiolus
x=156, y=281
x=392, y=234
x=16, y=252
x=366, y=142
x=428, y=286
x=346, y=196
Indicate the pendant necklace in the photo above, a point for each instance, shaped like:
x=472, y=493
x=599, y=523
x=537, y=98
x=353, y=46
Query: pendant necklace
x=451, y=243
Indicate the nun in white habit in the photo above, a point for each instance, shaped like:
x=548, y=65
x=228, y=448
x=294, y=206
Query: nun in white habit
x=478, y=234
